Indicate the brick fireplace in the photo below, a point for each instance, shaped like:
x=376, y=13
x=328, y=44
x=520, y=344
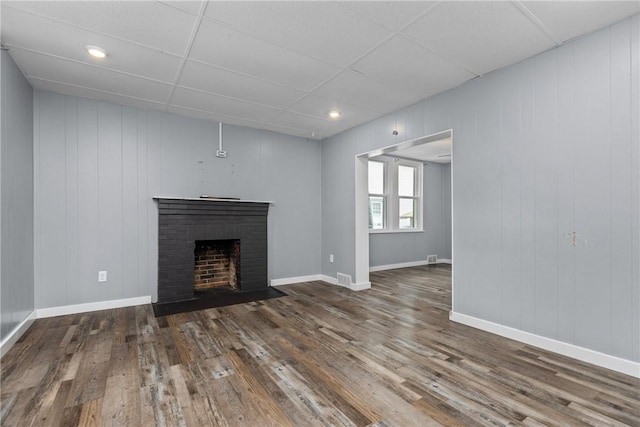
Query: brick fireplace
x=207, y=244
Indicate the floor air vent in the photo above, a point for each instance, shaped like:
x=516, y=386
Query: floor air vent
x=344, y=280
x=432, y=259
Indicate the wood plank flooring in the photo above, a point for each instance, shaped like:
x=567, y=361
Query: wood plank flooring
x=323, y=355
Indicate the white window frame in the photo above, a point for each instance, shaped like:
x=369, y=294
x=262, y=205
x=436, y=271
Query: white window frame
x=392, y=198
x=384, y=195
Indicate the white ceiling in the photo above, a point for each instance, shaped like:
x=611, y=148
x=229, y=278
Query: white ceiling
x=283, y=66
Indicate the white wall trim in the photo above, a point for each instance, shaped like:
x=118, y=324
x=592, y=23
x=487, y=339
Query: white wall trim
x=361, y=224
x=299, y=279
x=329, y=279
x=360, y=286
x=399, y=265
x=311, y=278
x=16, y=333
x=614, y=363
x=91, y=306
x=353, y=286
x=407, y=264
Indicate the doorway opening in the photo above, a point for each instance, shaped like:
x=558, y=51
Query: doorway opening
x=372, y=226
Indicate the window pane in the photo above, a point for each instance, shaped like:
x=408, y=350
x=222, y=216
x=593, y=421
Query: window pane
x=376, y=178
x=407, y=213
x=376, y=213
x=406, y=181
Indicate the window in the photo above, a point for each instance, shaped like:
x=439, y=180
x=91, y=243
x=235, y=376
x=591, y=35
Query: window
x=395, y=195
x=377, y=196
x=407, y=197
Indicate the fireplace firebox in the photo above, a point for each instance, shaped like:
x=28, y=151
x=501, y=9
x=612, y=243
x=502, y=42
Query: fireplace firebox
x=216, y=264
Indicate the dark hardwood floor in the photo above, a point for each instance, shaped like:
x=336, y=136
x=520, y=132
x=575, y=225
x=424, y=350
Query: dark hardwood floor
x=322, y=355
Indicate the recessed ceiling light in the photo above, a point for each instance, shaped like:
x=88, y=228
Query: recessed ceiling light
x=334, y=114
x=96, y=51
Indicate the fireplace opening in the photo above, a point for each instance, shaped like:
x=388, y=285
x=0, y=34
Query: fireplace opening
x=216, y=265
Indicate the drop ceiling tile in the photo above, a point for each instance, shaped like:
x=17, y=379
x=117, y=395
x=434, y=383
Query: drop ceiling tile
x=421, y=71
x=567, y=19
x=324, y=30
x=147, y=22
x=295, y=132
x=311, y=124
x=483, y=36
x=219, y=45
x=283, y=43
x=52, y=68
x=25, y=30
x=192, y=7
x=317, y=106
x=188, y=98
x=353, y=88
x=222, y=82
x=392, y=14
x=205, y=115
x=67, y=89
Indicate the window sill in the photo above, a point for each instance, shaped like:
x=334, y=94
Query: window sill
x=395, y=231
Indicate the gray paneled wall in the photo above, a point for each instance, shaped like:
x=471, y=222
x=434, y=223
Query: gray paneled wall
x=97, y=166
x=546, y=157
x=396, y=248
x=16, y=201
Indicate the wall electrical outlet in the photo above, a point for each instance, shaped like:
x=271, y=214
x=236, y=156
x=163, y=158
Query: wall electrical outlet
x=330, y=257
x=102, y=276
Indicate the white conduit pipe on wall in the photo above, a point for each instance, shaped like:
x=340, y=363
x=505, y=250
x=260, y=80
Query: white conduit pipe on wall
x=220, y=152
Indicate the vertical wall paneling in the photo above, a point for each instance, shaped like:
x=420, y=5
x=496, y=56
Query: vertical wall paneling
x=546, y=195
x=489, y=195
x=52, y=202
x=2, y=136
x=130, y=253
x=71, y=197
x=16, y=198
x=337, y=191
x=635, y=184
x=88, y=207
x=511, y=209
x=100, y=164
x=154, y=166
x=621, y=212
x=464, y=200
x=567, y=145
x=110, y=194
x=546, y=191
x=143, y=247
x=528, y=261
x=592, y=106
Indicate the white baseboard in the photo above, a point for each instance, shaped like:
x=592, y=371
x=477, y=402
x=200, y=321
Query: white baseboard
x=16, y=333
x=353, y=286
x=299, y=279
x=91, y=306
x=614, y=363
x=360, y=286
x=407, y=264
x=329, y=279
x=399, y=265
